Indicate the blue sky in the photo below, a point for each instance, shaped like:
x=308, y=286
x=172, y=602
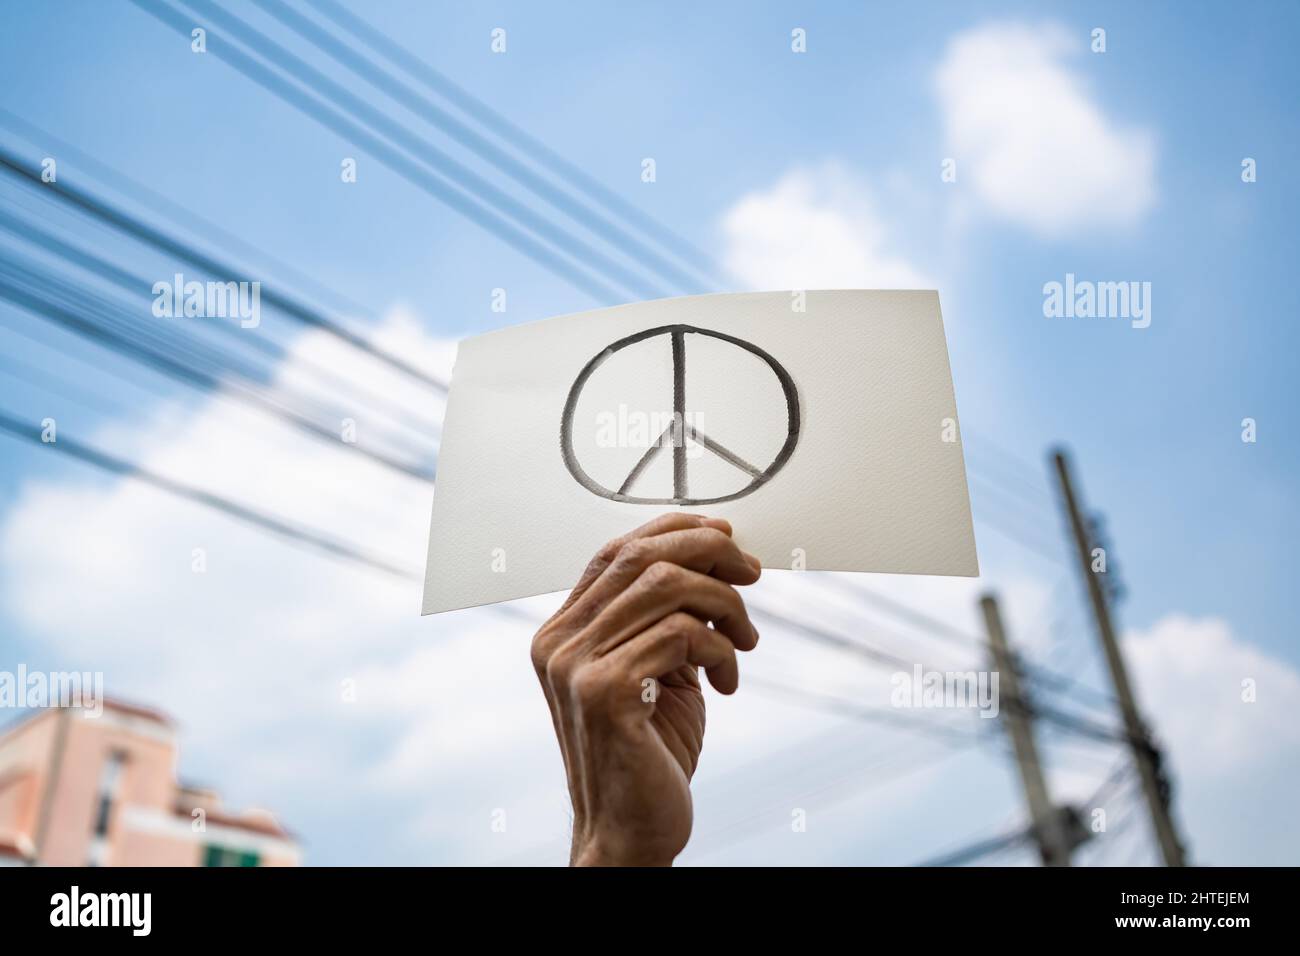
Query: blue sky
x=791, y=170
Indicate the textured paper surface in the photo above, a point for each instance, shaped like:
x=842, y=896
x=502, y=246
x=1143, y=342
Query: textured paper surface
x=869, y=484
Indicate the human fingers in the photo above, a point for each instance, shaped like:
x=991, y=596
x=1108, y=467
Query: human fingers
x=707, y=550
x=671, y=521
x=677, y=640
x=660, y=590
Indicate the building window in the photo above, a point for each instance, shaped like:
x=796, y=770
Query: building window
x=225, y=856
x=109, y=779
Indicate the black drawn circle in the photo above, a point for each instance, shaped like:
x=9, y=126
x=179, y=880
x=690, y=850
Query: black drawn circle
x=678, y=333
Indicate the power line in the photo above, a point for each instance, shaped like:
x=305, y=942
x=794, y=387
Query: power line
x=76, y=396
x=839, y=706
x=982, y=848
x=125, y=280
x=447, y=167
x=124, y=222
x=1013, y=466
x=1078, y=724
x=420, y=105
x=1127, y=801
x=1122, y=769
x=528, y=145
x=135, y=384
x=165, y=364
x=285, y=529
x=933, y=627
x=142, y=194
x=860, y=780
x=1016, y=497
x=1007, y=503
x=60, y=389
x=417, y=172
x=873, y=654
x=290, y=531
x=1023, y=836
x=981, y=515
x=130, y=283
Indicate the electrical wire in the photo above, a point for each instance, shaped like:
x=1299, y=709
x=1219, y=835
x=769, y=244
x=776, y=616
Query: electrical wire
x=167, y=364
x=133, y=226
x=831, y=704
x=574, y=177
x=415, y=171
x=363, y=67
x=287, y=530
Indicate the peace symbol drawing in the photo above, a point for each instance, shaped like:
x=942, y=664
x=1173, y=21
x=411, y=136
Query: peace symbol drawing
x=758, y=417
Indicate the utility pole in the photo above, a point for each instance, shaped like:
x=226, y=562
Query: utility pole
x=1145, y=755
x=1047, y=822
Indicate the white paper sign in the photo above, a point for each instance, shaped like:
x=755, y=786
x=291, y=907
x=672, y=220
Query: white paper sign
x=827, y=436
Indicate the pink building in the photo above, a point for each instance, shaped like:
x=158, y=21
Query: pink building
x=81, y=790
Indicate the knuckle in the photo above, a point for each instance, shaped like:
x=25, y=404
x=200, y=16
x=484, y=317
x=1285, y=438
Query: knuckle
x=680, y=631
x=636, y=553
x=681, y=624
x=540, y=649
x=559, y=668
x=609, y=551
x=674, y=519
x=661, y=574
x=591, y=685
x=714, y=539
x=593, y=568
x=601, y=559
x=682, y=643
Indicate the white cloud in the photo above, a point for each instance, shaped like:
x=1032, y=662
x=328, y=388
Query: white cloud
x=1027, y=135
x=813, y=229
x=1189, y=674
